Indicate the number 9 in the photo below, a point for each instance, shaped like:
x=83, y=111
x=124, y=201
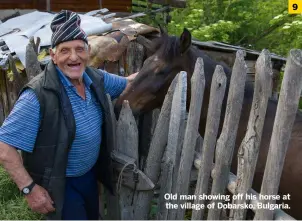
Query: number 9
x=295, y=6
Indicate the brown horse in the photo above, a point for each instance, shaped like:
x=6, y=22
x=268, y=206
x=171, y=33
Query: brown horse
x=170, y=55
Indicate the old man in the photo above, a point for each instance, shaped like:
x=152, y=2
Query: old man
x=61, y=124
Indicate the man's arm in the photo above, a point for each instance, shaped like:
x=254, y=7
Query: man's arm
x=131, y=78
x=19, y=131
x=115, y=85
x=12, y=163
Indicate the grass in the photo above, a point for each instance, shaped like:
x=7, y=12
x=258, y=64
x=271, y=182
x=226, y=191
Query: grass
x=13, y=205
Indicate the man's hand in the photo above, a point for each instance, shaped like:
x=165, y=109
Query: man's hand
x=131, y=77
x=39, y=200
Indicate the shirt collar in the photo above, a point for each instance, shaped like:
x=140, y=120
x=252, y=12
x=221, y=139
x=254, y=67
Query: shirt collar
x=66, y=82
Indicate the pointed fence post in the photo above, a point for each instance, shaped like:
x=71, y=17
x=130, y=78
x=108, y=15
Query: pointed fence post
x=213, y=119
x=226, y=142
x=191, y=134
x=127, y=144
x=156, y=151
x=249, y=148
x=33, y=67
x=171, y=157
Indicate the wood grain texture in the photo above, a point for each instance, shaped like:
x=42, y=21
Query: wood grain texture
x=249, y=148
x=172, y=152
x=156, y=151
x=127, y=143
x=218, y=87
x=226, y=142
x=191, y=134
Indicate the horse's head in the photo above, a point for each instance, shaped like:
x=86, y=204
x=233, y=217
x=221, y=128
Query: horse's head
x=169, y=56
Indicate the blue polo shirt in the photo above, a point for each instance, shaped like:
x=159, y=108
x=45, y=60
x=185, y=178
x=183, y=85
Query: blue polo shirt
x=20, y=128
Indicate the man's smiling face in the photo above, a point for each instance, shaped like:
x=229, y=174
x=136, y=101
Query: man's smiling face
x=71, y=57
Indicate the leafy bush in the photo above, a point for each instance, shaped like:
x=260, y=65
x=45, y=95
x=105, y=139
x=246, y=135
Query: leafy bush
x=193, y=18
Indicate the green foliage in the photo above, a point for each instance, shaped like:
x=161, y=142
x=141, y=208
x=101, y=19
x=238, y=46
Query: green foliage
x=202, y=27
x=253, y=24
x=13, y=205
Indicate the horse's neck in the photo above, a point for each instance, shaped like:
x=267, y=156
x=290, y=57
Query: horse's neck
x=193, y=54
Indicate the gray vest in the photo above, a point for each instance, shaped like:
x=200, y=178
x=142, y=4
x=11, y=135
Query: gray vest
x=47, y=164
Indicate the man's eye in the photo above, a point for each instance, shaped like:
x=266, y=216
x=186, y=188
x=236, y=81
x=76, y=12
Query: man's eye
x=80, y=49
x=64, y=50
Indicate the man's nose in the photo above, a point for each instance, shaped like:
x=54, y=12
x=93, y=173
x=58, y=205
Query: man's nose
x=73, y=56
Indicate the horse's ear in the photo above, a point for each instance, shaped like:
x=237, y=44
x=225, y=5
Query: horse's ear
x=185, y=41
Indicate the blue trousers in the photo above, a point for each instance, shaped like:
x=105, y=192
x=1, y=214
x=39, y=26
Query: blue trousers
x=81, y=198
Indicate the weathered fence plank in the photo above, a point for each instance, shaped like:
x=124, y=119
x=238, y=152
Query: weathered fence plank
x=135, y=57
x=226, y=142
x=166, y=185
x=191, y=134
x=172, y=153
x=17, y=82
x=10, y=92
x=154, y=158
x=284, y=120
x=33, y=67
x=249, y=148
x=4, y=96
x=127, y=143
x=218, y=87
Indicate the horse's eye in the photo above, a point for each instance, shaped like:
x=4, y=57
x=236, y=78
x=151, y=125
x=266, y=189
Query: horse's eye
x=163, y=71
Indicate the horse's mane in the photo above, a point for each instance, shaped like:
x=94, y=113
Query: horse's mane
x=167, y=47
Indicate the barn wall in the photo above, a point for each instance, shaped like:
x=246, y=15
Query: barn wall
x=117, y=5
x=21, y=4
x=74, y=5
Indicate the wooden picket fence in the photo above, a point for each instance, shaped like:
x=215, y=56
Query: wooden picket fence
x=143, y=192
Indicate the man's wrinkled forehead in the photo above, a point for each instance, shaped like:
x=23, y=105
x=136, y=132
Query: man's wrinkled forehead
x=71, y=44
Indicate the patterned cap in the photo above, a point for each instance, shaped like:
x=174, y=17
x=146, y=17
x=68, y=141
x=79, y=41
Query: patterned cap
x=66, y=27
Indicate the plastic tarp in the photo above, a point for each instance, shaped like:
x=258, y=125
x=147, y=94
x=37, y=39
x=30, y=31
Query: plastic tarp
x=17, y=31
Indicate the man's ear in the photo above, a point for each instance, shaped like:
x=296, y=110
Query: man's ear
x=185, y=41
x=52, y=55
